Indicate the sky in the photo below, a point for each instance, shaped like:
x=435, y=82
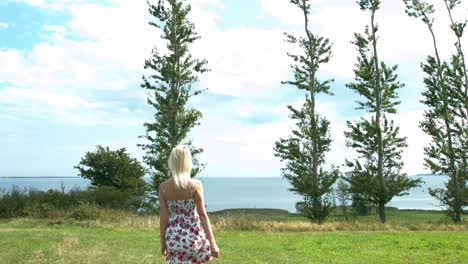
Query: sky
x=70, y=75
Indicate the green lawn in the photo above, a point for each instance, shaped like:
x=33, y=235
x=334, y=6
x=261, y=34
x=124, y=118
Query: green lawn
x=70, y=243
x=244, y=236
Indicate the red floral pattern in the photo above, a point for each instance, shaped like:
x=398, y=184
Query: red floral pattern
x=185, y=238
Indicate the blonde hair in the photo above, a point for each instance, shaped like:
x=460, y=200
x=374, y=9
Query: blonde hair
x=180, y=164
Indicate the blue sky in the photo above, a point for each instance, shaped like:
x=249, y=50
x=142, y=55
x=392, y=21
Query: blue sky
x=70, y=72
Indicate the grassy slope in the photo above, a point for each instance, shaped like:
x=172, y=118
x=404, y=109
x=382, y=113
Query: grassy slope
x=42, y=241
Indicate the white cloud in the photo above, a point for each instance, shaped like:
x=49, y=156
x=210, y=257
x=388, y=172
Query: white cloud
x=245, y=61
x=407, y=120
x=402, y=40
x=114, y=43
x=236, y=148
x=56, y=5
x=413, y=156
x=60, y=77
x=4, y=25
x=110, y=57
x=233, y=149
x=11, y=95
x=72, y=110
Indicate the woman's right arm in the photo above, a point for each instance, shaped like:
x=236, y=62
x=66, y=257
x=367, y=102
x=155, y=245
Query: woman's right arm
x=205, y=220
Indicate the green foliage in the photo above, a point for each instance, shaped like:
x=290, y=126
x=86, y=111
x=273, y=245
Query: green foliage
x=446, y=119
x=422, y=9
x=363, y=137
x=375, y=176
x=85, y=211
x=117, y=169
x=53, y=203
x=304, y=151
x=169, y=85
x=361, y=204
x=344, y=195
x=383, y=97
x=369, y=4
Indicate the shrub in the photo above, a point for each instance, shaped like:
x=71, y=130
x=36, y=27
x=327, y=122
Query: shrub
x=53, y=203
x=12, y=203
x=85, y=211
x=105, y=167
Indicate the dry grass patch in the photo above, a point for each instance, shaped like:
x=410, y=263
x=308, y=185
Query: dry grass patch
x=68, y=242
x=241, y=220
x=245, y=224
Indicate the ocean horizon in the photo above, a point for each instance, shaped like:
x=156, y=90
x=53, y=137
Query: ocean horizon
x=238, y=192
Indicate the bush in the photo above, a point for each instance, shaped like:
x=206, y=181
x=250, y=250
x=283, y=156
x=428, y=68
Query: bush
x=53, y=203
x=110, y=197
x=105, y=167
x=316, y=211
x=42, y=210
x=12, y=203
x=85, y=212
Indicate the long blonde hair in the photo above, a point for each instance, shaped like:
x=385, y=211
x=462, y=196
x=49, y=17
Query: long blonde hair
x=180, y=164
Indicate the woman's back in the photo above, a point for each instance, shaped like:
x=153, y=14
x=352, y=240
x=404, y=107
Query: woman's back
x=185, y=237
x=172, y=192
x=180, y=201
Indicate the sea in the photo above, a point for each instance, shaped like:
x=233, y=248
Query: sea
x=243, y=192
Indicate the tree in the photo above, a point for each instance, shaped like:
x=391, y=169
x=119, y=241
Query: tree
x=108, y=168
x=445, y=120
x=304, y=151
x=458, y=87
x=376, y=174
x=342, y=191
x=361, y=204
x=169, y=86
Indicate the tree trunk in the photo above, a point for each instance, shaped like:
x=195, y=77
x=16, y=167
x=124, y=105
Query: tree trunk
x=377, y=119
x=453, y=169
x=312, y=99
x=458, y=207
x=382, y=212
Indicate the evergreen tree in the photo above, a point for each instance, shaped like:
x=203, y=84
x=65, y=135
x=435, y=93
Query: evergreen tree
x=169, y=84
x=458, y=84
x=304, y=151
x=446, y=118
x=376, y=174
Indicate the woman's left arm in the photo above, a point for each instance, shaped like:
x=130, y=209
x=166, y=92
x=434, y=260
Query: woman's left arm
x=163, y=220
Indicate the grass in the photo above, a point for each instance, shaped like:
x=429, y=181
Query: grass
x=244, y=236
x=394, y=216
x=74, y=244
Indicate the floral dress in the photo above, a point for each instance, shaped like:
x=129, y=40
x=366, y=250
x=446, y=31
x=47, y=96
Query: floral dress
x=185, y=238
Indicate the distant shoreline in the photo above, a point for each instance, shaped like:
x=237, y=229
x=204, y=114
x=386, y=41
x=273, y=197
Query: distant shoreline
x=204, y=177
x=42, y=177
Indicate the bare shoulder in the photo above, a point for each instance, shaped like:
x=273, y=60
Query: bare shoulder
x=197, y=184
x=164, y=184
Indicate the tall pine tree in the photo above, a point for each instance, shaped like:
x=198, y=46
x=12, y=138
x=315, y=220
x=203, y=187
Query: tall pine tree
x=304, y=151
x=446, y=118
x=376, y=174
x=169, y=84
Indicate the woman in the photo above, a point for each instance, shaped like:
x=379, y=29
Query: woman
x=186, y=235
